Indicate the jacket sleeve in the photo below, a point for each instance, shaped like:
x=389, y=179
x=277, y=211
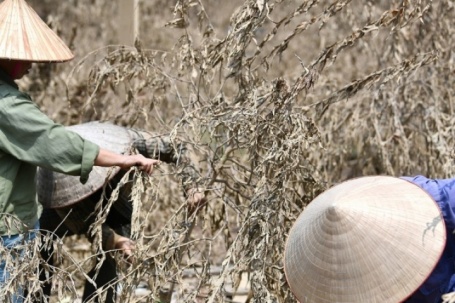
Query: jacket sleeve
x=30, y=136
x=155, y=147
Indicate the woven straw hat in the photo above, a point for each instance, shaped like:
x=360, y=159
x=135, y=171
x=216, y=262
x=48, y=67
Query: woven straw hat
x=24, y=36
x=371, y=239
x=56, y=190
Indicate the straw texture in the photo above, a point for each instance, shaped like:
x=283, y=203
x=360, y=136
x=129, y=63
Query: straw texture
x=57, y=190
x=24, y=36
x=371, y=239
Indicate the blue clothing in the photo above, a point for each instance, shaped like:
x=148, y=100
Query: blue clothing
x=442, y=278
x=12, y=245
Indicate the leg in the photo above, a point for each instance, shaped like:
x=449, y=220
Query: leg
x=119, y=221
x=9, y=243
x=51, y=227
x=106, y=278
x=13, y=249
x=79, y=221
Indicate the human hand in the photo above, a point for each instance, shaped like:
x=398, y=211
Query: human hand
x=125, y=245
x=195, y=198
x=144, y=164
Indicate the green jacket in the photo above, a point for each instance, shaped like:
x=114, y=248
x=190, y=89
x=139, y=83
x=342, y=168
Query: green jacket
x=28, y=138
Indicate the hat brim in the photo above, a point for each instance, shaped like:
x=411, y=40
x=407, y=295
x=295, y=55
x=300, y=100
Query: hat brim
x=25, y=37
x=57, y=190
x=371, y=239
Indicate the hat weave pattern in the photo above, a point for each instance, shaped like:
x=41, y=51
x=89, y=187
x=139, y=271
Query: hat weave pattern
x=56, y=190
x=24, y=36
x=371, y=239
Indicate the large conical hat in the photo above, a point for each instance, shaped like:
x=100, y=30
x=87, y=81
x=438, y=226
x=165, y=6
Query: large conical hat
x=57, y=190
x=24, y=36
x=371, y=239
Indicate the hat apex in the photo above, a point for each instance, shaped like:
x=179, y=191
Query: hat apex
x=24, y=36
x=370, y=239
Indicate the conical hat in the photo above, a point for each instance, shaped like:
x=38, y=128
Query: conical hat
x=371, y=239
x=24, y=36
x=56, y=190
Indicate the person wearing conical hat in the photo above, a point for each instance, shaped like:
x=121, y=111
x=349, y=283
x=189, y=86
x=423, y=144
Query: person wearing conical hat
x=28, y=138
x=71, y=208
x=375, y=239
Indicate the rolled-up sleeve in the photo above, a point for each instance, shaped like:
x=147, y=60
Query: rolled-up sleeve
x=30, y=136
x=89, y=155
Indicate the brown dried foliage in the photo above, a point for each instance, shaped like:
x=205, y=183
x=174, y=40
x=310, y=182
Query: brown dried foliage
x=276, y=99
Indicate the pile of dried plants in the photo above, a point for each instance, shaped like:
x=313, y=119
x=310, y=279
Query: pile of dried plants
x=276, y=100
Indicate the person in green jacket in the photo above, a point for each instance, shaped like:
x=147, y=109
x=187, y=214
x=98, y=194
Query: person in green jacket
x=28, y=138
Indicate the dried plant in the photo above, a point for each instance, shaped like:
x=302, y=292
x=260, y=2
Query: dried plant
x=276, y=100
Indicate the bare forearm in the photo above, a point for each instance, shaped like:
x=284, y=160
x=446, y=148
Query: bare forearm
x=107, y=158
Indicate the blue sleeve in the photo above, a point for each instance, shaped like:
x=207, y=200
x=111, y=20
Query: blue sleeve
x=442, y=278
x=443, y=192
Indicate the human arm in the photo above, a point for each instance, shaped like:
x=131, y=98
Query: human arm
x=116, y=242
x=30, y=136
x=162, y=148
x=79, y=217
x=196, y=198
x=108, y=158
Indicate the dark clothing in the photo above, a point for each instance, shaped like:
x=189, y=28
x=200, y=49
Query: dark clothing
x=118, y=220
x=442, y=278
x=78, y=217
